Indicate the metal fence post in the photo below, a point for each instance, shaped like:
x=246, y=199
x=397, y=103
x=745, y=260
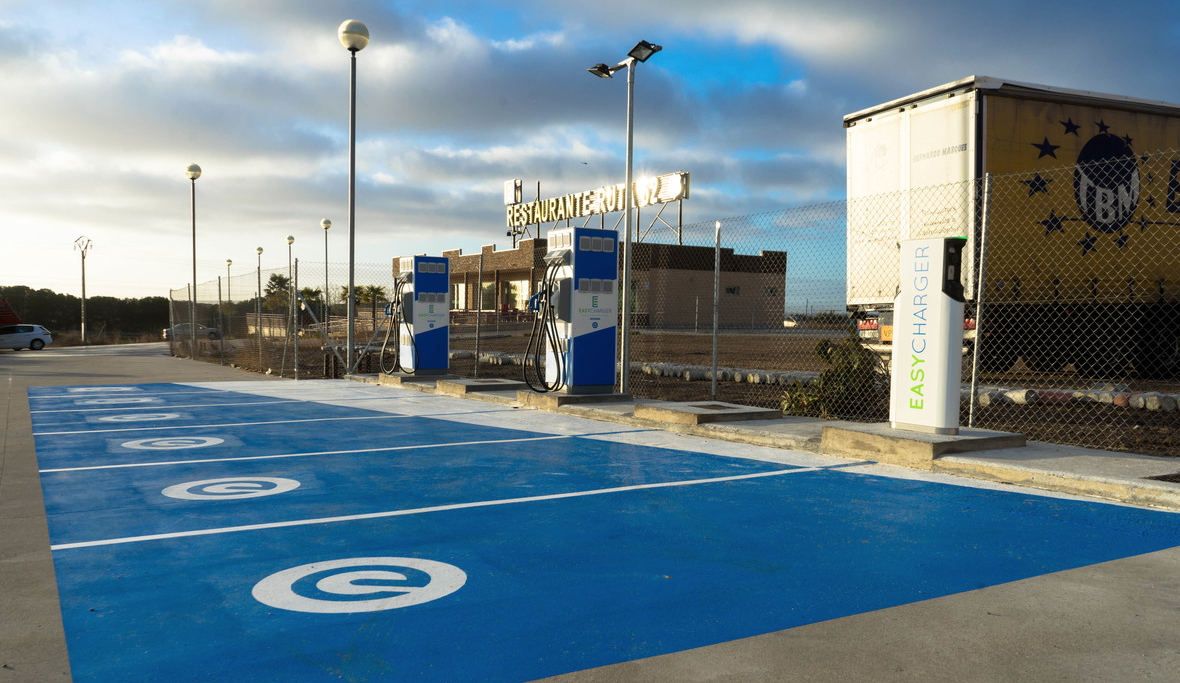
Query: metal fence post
x=295, y=308
x=220, y=322
x=192, y=321
x=979, y=291
x=258, y=313
x=478, y=311
x=716, y=300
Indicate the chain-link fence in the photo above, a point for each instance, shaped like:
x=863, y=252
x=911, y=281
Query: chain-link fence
x=774, y=285
x=1079, y=306
x=1073, y=314
x=286, y=321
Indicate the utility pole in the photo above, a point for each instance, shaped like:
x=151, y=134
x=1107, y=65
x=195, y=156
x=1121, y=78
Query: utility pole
x=82, y=244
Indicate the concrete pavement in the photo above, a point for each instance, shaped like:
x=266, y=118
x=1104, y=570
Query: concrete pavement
x=1113, y=621
x=980, y=454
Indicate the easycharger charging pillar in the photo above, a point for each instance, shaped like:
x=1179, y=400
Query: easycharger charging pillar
x=928, y=337
x=424, y=332
x=587, y=310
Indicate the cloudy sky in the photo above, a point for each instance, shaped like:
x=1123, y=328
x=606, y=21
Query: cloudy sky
x=106, y=102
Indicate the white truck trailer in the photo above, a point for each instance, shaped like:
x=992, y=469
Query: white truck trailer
x=1082, y=219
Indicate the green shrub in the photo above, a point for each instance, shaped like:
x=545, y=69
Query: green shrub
x=855, y=385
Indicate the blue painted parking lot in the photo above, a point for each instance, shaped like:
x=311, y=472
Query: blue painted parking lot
x=337, y=531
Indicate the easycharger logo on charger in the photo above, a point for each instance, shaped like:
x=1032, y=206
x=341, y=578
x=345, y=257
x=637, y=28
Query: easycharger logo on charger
x=918, y=327
x=928, y=337
x=595, y=307
x=595, y=312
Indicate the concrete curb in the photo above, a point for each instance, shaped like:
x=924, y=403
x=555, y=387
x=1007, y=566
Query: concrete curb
x=976, y=454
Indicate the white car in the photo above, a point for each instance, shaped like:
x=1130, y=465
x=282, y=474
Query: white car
x=17, y=337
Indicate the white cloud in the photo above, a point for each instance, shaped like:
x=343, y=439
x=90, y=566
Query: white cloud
x=456, y=96
x=547, y=39
x=188, y=50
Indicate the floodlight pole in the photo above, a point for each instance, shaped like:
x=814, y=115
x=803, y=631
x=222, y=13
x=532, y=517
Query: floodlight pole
x=354, y=36
x=640, y=53
x=625, y=331
x=349, y=359
x=193, y=171
x=192, y=329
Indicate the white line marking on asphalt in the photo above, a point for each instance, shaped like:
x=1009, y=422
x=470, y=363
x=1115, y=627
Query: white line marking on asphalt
x=247, y=394
x=424, y=510
x=386, y=416
x=304, y=455
x=332, y=401
x=170, y=407
x=227, y=424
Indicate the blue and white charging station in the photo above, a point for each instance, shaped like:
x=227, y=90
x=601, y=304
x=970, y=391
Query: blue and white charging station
x=576, y=310
x=422, y=296
x=928, y=337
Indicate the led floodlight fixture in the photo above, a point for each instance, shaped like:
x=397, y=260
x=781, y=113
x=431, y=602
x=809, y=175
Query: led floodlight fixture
x=643, y=50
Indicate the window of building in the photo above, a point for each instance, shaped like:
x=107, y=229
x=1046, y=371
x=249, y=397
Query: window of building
x=735, y=290
x=488, y=297
x=516, y=294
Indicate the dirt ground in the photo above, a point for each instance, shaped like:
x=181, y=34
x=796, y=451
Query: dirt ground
x=1090, y=425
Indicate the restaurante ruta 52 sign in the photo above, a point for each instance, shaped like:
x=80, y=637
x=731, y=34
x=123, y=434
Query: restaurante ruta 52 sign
x=647, y=191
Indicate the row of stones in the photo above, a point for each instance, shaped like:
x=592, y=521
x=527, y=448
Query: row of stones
x=1110, y=394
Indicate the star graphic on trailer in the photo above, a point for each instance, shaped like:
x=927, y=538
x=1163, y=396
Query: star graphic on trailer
x=1047, y=150
x=1037, y=184
x=1102, y=127
x=1088, y=244
x=1071, y=128
x=1053, y=223
x=1121, y=241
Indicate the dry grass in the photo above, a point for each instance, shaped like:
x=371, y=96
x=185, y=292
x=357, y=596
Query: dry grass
x=73, y=338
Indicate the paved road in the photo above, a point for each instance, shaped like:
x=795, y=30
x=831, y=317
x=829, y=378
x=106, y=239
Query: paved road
x=146, y=349
x=1109, y=621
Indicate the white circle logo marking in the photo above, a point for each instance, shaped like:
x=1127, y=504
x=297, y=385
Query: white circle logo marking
x=139, y=417
x=366, y=584
x=114, y=401
x=173, y=443
x=231, y=488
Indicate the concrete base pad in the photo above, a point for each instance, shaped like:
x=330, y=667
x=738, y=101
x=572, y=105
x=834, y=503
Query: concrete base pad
x=553, y=401
x=701, y=412
x=399, y=378
x=884, y=444
x=464, y=386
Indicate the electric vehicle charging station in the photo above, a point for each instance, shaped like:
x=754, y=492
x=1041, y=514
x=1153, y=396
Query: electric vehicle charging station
x=576, y=307
x=928, y=337
x=422, y=315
